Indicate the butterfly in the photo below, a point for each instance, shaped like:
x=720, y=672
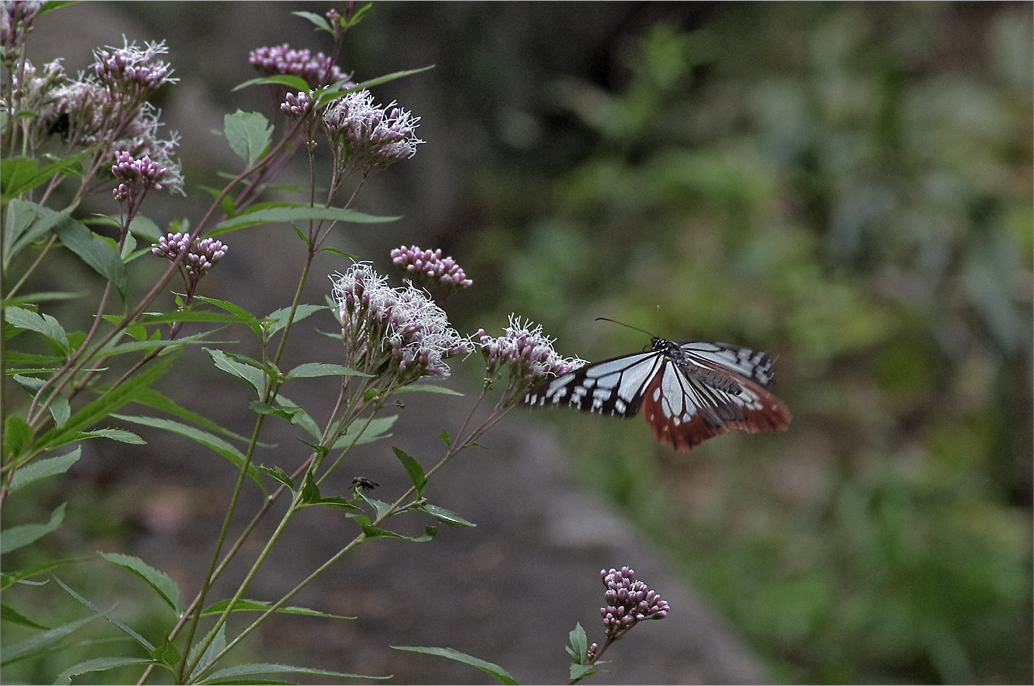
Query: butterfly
x=689, y=391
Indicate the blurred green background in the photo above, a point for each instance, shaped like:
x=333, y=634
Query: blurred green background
x=847, y=186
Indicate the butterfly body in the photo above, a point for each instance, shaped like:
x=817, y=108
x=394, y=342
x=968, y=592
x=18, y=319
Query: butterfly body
x=688, y=391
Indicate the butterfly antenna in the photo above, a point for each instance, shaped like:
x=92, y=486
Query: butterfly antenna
x=635, y=328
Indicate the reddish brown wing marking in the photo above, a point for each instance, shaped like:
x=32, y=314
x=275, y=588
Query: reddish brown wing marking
x=683, y=412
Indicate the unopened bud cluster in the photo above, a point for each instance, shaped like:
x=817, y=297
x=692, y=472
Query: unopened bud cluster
x=201, y=255
x=428, y=269
x=628, y=602
x=136, y=176
x=317, y=70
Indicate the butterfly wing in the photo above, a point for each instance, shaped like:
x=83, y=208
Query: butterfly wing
x=613, y=387
x=750, y=364
x=683, y=411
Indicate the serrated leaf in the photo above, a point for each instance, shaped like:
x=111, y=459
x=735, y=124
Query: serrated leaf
x=99, y=664
x=310, y=370
x=278, y=318
x=245, y=605
x=221, y=675
x=96, y=252
x=255, y=377
x=578, y=671
x=105, y=405
x=579, y=644
x=40, y=643
x=27, y=222
x=160, y=582
x=445, y=516
x=248, y=134
x=125, y=628
x=166, y=654
x=203, y=437
x=17, y=436
x=414, y=470
x=41, y=469
x=24, y=534
x=427, y=388
x=9, y=614
x=375, y=430
x=120, y=435
x=40, y=323
x=288, y=214
x=310, y=491
x=278, y=475
x=493, y=670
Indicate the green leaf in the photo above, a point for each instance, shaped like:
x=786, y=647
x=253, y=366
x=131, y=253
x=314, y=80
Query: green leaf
x=160, y=582
x=278, y=319
x=35, y=570
x=99, y=664
x=310, y=491
x=120, y=435
x=17, y=437
x=427, y=388
x=108, y=403
x=492, y=669
x=40, y=469
x=299, y=417
x=309, y=370
x=40, y=323
x=248, y=134
x=244, y=605
x=581, y=671
x=372, y=431
x=40, y=643
x=9, y=614
x=203, y=437
x=20, y=174
x=26, y=223
x=21, y=536
x=335, y=93
x=129, y=631
x=102, y=256
x=224, y=675
x=243, y=316
x=319, y=21
x=166, y=654
x=278, y=475
x=294, y=82
x=445, y=516
x=415, y=471
x=579, y=650
x=287, y=214
x=255, y=377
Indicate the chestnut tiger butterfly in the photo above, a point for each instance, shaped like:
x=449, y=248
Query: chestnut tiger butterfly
x=689, y=391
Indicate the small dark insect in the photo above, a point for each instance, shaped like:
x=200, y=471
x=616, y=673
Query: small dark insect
x=363, y=483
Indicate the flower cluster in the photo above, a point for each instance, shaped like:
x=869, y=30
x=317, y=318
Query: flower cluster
x=316, y=70
x=628, y=602
x=528, y=353
x=132, y=71
x=15, y=25
x=201, y=256
x=136, y=176
x=368, y=136
x=427, y=269
x=397, y=334
x=296, y=106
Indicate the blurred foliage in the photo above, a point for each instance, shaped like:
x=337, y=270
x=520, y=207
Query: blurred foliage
x=848, y=186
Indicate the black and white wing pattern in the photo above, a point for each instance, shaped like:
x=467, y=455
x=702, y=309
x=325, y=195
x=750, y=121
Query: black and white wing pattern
x=688, y=391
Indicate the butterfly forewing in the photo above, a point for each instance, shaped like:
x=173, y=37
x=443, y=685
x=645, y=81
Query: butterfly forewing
x=613, y=386
x=690, y=391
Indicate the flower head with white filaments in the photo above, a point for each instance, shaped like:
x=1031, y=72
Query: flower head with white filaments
x=366, y=136
x=528, y=354
x=399, y=334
